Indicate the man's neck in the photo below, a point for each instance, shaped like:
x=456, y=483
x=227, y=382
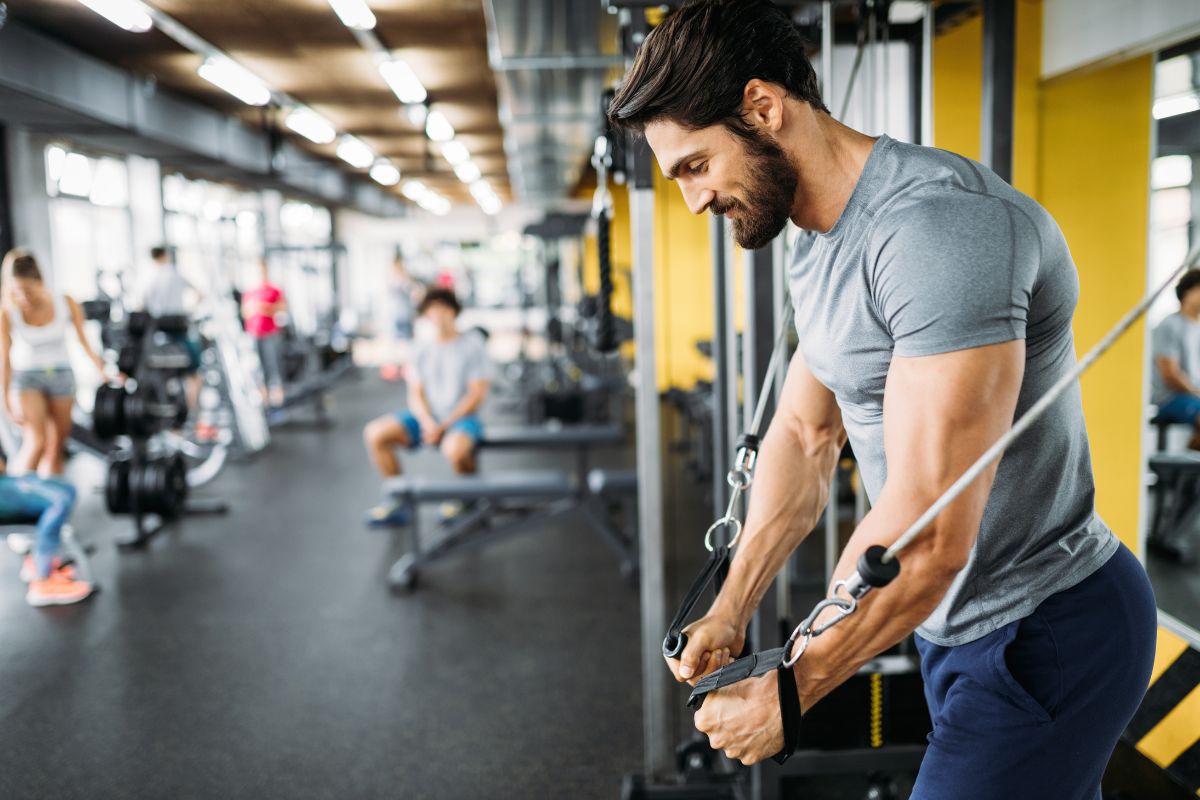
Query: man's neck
x=447, y=336
x=830, y=158
x=1191, y=314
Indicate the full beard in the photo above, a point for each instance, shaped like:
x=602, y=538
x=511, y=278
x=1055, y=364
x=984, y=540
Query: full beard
x=771, y=182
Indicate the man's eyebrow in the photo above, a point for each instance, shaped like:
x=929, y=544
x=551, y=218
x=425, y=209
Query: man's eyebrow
x=673, y=172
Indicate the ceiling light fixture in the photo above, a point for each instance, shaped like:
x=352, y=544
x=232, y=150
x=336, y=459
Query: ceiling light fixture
x=468, y=172
x=414, y=190
x=491, y=206
x=456, y=153
x=385, y=173
x=403, y=81
x=128, y=14
x=311, y=125
x=354, y=14
x=438, y=128
x=481, y=189
x=354, y=152
x=229, y=76
x=1177, y=104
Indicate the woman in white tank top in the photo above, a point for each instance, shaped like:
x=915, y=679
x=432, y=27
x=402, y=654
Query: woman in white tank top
x=35, y=366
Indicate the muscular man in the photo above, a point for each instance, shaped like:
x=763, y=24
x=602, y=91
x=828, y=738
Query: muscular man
x=933, y=305
x=1176, y=375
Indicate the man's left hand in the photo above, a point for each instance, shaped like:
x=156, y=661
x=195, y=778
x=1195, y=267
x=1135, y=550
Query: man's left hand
x=744, y=719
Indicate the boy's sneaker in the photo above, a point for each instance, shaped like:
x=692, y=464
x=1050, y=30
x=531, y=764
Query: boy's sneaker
x=386, y=515
x=29, y=570
x=450, y=510
x=57, y=590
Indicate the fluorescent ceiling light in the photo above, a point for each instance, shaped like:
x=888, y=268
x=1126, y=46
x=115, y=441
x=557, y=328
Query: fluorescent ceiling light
x=231, y=77
x=438, y=128
x=384, y=173
x=311, y=125
x=455, y=152
x=416, y=113
x=414, y=190
x=403, y=81
x=355, y=153
x=354, y=14
x=468, y=172
x=1174, y=106
x=128, y=14
x=491, y=206
x=481, y=189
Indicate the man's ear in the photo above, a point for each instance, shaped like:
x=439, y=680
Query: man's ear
x=762, y=105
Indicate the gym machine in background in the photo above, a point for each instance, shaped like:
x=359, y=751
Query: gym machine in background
x=148, y=478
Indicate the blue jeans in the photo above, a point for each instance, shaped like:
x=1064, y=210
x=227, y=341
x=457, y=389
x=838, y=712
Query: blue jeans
x=1034, y=709
x=50, y=501
x=469, y=426
x=1183, y=408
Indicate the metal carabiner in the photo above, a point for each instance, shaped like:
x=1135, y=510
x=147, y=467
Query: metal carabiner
x=727, y=521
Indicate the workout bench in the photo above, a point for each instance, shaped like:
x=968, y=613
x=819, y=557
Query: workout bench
x=503, y=503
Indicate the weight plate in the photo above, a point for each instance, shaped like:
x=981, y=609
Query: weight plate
x=116, y=488
x=108, y=414
x=128, y=358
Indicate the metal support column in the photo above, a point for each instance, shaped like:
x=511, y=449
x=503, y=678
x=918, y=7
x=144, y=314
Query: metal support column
x=660, y=696
x=7, y=241
x=999, y=61
x=723, y=363
x=758, y=339
x=927, y=33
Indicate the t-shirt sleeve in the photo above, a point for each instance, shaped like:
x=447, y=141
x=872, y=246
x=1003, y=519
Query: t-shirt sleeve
x=1167, y=341
x=479, y=365
x=955, y=272
x=419, y=369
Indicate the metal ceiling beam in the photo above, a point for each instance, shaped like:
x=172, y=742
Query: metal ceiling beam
x=502, y=64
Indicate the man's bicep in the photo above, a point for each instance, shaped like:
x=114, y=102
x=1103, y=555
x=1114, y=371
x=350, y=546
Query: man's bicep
x=940, y=413
x=808, y=405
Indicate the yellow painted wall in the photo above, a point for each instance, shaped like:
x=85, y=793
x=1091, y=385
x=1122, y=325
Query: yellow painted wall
x=684, y=301
x=958, y=91
x=1095, y=155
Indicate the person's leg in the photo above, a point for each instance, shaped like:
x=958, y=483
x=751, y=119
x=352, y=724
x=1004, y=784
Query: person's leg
x=1035, y=709
x=383, y=435
x=53, y=501
x=272, y=347
x=34, y=409
x=460, y=443
x=1185, y=410
x=58, y=431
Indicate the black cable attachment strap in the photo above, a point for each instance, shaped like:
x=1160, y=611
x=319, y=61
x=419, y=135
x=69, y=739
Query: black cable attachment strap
x=714, y=572
x=606, y=332
x=754, y=666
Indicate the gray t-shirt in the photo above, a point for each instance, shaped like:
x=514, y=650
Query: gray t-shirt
x=445, y=369
x=1175, y=337
x=934, y=253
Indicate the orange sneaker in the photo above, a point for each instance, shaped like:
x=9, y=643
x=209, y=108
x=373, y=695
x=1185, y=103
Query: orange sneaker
x=57, y=590
x=29, y=571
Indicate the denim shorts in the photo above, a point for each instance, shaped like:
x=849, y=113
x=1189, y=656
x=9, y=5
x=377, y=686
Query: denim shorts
x=469, y=426
x=53, y=382
x=1182, y=408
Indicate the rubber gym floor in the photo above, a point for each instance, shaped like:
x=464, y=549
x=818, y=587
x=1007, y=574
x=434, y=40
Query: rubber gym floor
x=261, y=655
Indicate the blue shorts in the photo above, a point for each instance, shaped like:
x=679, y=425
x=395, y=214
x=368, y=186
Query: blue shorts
x=1182, y=408
x=1035, y=708
x=469, y=426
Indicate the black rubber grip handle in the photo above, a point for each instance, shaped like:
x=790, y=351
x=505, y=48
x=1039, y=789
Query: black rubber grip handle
x=874, y=570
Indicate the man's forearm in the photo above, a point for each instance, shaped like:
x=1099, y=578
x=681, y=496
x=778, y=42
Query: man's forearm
x=469, y=405
x=791, y=487
x=886, y=616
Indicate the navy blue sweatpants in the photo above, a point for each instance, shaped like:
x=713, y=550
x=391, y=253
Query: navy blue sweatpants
x=1033, y=710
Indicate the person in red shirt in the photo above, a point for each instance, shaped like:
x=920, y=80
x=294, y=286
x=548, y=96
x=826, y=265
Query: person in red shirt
x=259, y=308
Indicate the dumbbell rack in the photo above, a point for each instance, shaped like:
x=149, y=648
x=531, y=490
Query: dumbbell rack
x=152, y=490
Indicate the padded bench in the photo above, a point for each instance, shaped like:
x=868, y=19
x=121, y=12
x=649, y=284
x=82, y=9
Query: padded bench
x=501, y=503
x=1176, y=505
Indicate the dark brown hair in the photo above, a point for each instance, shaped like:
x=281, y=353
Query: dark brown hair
x=438, y=294
x=20, y=263
x=693, y=68
x=1190, y=280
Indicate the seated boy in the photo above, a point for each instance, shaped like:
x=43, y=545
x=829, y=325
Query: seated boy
x=447, y=384
x=51, y=501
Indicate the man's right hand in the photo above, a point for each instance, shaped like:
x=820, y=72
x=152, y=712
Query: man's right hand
x=712, y=642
